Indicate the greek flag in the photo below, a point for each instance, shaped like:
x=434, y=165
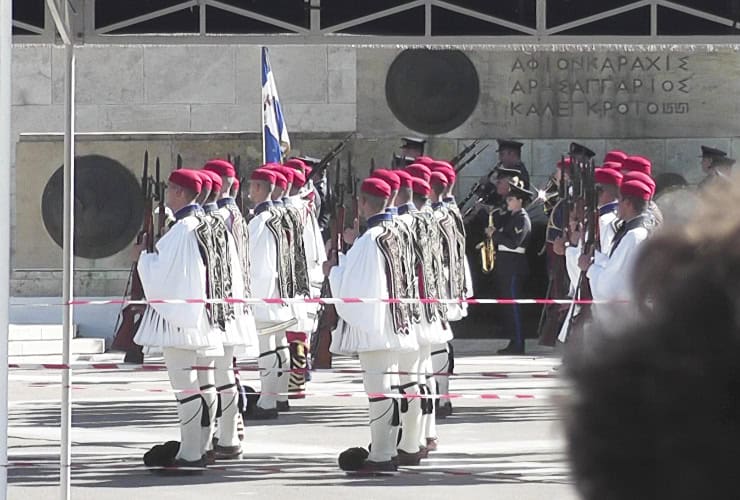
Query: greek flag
x=275, y=140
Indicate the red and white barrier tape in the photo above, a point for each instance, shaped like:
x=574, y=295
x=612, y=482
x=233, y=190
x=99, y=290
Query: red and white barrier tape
x=355, y=394
x=324, y=301
x=255, y=368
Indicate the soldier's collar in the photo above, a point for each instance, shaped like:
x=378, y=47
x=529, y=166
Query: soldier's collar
x=437, y=205
x=449, y=199
x=210, y=207
x=609, y=207
x=277, y=203
x=378, y=218
x=408, y=208
x=261, y=207
x=391, y=210
x=225, y=201
x=187, y=212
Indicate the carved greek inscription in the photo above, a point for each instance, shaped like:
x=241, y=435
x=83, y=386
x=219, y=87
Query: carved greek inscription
x=599, y=85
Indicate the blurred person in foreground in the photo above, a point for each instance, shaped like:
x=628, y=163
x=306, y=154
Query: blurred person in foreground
x=655, y=412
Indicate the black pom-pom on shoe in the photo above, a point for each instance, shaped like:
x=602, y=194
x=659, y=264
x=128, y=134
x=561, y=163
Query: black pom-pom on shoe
x=352, y=459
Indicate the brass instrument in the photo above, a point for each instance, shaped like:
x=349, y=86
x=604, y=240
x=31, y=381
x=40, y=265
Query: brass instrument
x=487, y=248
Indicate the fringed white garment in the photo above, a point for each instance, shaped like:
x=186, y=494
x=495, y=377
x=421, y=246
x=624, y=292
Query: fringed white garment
x=611, y=278
x=264, y=272
x=242, y=330
x=313, y=243
x=364, y=327
x=176, y=271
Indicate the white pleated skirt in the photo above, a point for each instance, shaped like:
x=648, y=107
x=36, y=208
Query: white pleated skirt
x=156, y=333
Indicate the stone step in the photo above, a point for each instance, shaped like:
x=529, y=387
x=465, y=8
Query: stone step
x=52, y=347
x=19, y=332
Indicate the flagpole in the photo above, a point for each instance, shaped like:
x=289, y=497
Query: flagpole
x=263, y=55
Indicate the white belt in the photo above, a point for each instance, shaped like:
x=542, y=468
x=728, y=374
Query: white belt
x=520, y=250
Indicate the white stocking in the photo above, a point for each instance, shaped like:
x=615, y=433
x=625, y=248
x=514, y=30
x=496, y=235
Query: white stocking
x=382, y=410
x=179, y=364
x=268, y=363
x=411, y=418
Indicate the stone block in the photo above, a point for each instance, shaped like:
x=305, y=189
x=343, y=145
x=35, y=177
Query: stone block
x=342, y=75
x=374, y=117
x=225, y=118
x=546, y=153
x=144, y=118
x=682, y=156
x=300, y=73
x=655, y=149
x=189, y=74
x=301, y=117
x=249, y=74
x=32, y=75
x=110, y=74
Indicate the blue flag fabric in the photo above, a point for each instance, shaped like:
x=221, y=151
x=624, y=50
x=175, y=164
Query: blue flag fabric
x=275, y=140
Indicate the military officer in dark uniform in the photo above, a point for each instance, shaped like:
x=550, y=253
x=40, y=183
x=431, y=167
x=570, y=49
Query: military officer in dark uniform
x=510, y=156
x=411, y=148
x=511, y=237
x=716, y=165
x=580, y=153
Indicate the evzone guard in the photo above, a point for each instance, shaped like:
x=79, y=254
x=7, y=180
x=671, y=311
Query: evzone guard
x=186, y=264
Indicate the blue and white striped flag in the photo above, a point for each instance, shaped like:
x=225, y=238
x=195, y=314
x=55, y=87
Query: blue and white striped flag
x=275, y=140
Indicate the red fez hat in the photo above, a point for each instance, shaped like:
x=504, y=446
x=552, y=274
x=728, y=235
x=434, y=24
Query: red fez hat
x=607, y=176
x=216, y=182
x=405, y=178
x=424, y=160
x=391, y=178
x=636, y=188
x=612, y=165
x=447, y=171
x=287, y=173
x=280, y=180
x=376, y=187
x=438, y=178
x=299, y=179
x=640, y=176
x=637, y=164
x=615, y=156
x=206, y=181
x=420, y=171
x=565, y=162
x=188, y=179
x=263, y=174
x=420, y=186
x=296, y=164
x=221, y=167
x=440, y=163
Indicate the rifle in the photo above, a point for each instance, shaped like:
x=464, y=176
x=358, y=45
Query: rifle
x=372, y=165
x=351, y=187
x=590, y=223
x=178, y=165
x=469, y=160
x=239, y=199
x=161, y=216
x=318, y=170
x=130, y=316
x=328, y=317
x=462, y=154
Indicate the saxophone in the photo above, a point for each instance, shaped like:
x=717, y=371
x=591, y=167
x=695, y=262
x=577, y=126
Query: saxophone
x=487, y=249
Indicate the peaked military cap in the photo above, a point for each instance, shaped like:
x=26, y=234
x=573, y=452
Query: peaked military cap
x=580, y=149
x=707, y=152
x=509, y=144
